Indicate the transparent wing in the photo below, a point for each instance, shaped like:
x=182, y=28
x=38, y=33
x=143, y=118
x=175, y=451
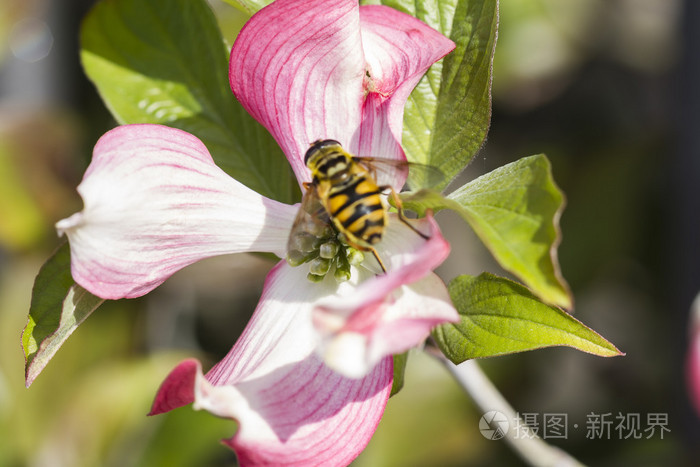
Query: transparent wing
x=423, y=176
x=417, y=175
x=311, y=224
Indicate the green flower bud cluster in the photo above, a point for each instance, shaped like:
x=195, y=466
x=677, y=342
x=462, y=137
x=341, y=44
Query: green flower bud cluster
x=325, y=250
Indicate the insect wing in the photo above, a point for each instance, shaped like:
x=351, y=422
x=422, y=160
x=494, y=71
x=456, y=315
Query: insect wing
x=310, y=224
x=417, y=175
x=423, y=176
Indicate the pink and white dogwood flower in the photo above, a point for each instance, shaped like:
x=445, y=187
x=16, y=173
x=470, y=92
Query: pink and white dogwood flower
x=309, y=377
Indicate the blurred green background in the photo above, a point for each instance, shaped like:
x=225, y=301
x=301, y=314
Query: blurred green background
x=606, y=88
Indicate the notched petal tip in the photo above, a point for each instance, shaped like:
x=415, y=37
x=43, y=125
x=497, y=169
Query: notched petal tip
x=398, y=49
x=178, y=389
x=64, y=225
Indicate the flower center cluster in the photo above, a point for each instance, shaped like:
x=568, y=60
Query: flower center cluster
x=324, y=248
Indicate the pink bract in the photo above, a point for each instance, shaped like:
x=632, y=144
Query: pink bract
x=320, y=69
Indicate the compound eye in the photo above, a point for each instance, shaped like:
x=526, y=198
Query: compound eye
x=310, y=151
x=317, y=146
x=328, y=142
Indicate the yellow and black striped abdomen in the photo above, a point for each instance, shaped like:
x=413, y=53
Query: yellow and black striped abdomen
x=356, y=209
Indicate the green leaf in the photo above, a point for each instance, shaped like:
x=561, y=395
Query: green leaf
x=57, y=308
x=463, y=114
x=164, y=61
x=499, y=316
x=400, y=361
x=515, y=211
x=448, y=114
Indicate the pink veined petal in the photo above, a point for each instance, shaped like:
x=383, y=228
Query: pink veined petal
x=297, y=67
x=391, y=312
x=301, y=69
x=291, y=408
x=155, y=202
x=398, y=49
x=384, y=328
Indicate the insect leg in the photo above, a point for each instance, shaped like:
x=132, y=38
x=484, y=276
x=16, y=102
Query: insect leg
x=368, y=248
x=379, y=260
x=399, y=207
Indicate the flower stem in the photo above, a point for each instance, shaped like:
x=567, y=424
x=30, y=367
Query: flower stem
x=531, y=448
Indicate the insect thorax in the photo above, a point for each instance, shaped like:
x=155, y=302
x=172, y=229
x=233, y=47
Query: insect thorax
x=330, y=164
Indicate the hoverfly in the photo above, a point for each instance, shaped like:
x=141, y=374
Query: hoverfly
x=344, y=197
